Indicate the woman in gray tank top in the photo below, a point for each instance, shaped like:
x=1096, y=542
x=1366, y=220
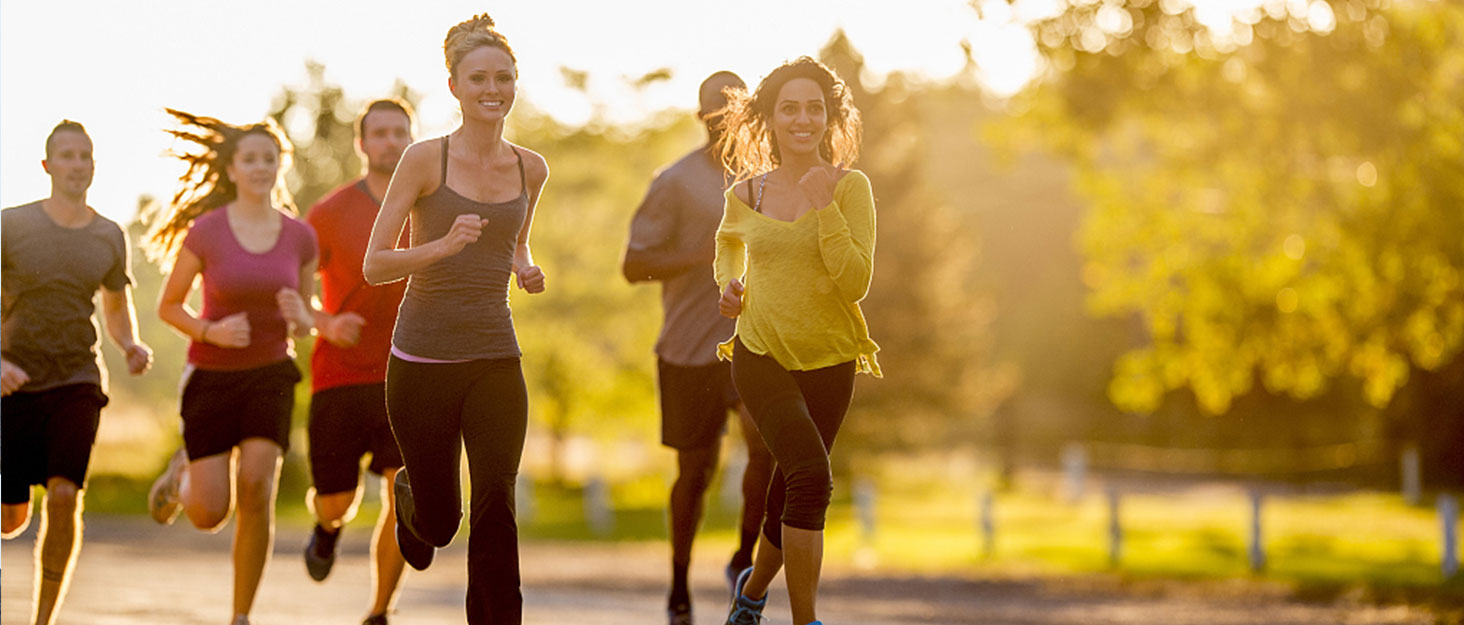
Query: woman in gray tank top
x=454, y=373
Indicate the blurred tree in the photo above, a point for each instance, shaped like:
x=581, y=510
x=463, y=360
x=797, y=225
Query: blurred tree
x=587, y=341
x=923, y=308
x=1277, y=198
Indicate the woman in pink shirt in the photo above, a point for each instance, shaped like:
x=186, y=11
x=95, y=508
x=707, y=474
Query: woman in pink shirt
x=228, y=223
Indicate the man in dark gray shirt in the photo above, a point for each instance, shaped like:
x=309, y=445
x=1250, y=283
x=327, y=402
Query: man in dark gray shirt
x=672, y=241
x=56, y=254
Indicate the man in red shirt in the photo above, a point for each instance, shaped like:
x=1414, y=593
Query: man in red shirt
x=348, y=405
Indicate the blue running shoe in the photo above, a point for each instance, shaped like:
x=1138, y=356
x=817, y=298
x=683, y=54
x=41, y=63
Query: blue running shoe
x=745, y=611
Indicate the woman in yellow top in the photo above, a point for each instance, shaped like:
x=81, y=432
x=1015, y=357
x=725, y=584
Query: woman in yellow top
x=795, y=252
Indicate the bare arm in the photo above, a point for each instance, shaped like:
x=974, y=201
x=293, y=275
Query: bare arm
x=384, y=262
x=652, y=253
x=529, y=276
x=122, y=329
x=231, y=331
x=172, y=306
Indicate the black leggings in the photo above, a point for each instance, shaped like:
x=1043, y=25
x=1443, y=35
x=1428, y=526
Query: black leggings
x=437, y=409
x=798, y=413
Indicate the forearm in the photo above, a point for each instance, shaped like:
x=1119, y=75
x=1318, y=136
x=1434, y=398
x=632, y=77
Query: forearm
x=117, y=313
x=848, y=257
x=176, y=314
x=643, y=265
x=523, y=256
x=390, y=265
x=729, y=262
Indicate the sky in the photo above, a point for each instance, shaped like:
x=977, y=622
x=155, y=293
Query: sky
x=114, y=66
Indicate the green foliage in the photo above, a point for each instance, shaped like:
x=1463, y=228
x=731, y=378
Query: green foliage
x=1277, y=204
x=932, y=324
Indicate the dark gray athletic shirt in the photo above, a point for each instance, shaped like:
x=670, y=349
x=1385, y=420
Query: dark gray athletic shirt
x=457, y=308
x=48, y=282
x=680, y=212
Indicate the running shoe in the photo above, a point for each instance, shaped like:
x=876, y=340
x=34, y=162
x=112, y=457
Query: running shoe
x=241, y=619
x=415, y=551
x=162, y=499
x=320, y=552
x=745, y=611
x=679, y=614
x=375, y=619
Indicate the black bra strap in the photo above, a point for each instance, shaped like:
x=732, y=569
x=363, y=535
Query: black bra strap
x=444, y=160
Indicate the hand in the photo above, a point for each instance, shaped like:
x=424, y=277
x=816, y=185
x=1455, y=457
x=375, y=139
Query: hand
x=818, y=183
x=343, y=330
x=12, y=377
x=292, y=308
x=465, y=230
x=231, y=331
x=139, y=358
x=731, y=302
x=530, y=278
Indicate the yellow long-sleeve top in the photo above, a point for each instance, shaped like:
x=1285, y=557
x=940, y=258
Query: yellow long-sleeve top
x=804, y=279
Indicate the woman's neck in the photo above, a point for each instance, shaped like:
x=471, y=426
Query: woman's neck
x=794, y=166
x=251, y=206
x=483, y=137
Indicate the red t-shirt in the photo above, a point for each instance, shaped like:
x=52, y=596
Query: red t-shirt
x=343, y=223
x=237, y=280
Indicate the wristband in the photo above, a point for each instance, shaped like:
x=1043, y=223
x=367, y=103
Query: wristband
x=203, y=334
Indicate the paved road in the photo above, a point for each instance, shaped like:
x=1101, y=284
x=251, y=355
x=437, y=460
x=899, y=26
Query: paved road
x=134, y=572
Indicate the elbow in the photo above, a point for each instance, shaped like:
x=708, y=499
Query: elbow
x=855, y=288
x=634, y=270
x=371, y=270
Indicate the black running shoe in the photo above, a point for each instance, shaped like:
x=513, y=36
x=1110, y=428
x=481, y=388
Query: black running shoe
x=320, y=552
x=415, y=551
x=679, y=614
x=375, y=619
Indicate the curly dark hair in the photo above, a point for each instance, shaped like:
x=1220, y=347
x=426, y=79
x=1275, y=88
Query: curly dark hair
x=747, y=145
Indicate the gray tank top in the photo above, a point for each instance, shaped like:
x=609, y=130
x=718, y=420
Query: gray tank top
x=457, y=308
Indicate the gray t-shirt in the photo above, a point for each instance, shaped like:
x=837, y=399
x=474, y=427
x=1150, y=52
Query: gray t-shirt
x=51, y=275
x=680, y=213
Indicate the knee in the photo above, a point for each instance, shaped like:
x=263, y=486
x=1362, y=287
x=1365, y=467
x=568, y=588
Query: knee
x=810, y=489
x=335, y=506
x=438, y=532
x=255, y=494
x=207, y=517
x=62, y=498
x=14, y=518
x=695, y=470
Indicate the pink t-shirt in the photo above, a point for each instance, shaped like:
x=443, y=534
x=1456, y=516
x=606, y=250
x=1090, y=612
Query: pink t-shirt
x=237, y=280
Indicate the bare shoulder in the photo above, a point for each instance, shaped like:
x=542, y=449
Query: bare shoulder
x=536, y=167
x=740, y=189
x=421, y=160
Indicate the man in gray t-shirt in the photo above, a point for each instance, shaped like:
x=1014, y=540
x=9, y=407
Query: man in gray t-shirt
x=672, y=241
x=56, y=254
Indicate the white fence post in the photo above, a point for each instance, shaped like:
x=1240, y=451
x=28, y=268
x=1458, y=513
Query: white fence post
x=1412, y=474
x=1257, y=545
x=866, y=557
x=597, y=507
x=1075, y=470
x=1449, y=519
x=1115, y=528
x=988, y=525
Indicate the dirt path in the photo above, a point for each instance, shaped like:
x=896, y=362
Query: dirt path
x=133, y=572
